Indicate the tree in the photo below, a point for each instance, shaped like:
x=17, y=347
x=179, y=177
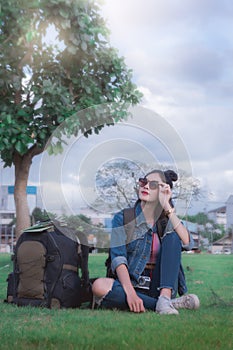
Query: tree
x=186, y=187
x=82, y=223
x=116, y=183
x=199, y=218
x=43, y=85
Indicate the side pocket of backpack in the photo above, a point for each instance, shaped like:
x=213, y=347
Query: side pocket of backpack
x=31, y=260
x=67, y=290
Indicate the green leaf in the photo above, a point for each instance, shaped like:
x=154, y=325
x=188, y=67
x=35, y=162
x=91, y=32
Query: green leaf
x=8, y=118
x=50, y=149
x=57, y=148
x=72, y=49
x=42, y=135
x=20, y=147
x=29, y=36
x=84, y=46
x=63, y=13
x=65, y=23
x=22, y=113
x=5, y=141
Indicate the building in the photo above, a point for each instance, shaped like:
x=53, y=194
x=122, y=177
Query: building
x=7, y=215
x=7, y=212
x=193, y=228
x=223, y=215
x=7, y=197
x=229, y=213
x=222, y=246
x=218, y=216
x=7, y=235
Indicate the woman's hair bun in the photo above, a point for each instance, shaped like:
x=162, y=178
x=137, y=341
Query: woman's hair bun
x=170, y=176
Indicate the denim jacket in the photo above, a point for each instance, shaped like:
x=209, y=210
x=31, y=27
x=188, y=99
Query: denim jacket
x=136, y=253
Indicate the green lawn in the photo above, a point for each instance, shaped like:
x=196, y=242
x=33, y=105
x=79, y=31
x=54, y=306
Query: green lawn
x=210, y=327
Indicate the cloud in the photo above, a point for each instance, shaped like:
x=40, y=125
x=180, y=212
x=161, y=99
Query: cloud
x=166, y=13
x=173, y=40
x=181, y=54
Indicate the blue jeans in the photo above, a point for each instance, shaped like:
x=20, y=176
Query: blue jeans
x=165, y=275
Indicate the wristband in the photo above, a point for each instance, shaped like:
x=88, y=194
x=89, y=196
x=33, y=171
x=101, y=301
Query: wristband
x=170, y=211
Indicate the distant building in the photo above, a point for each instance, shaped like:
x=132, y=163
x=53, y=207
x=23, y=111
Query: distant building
x=193, y=228
x=222, y=246
x=7, y=234
x=7, y=198
x=223, y=215
x=229, y=213
x=7, y=208
x=218, y=216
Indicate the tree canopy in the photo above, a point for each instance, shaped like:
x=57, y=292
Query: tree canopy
x=42, y=84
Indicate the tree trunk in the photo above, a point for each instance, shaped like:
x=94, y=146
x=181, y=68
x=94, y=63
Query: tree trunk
x=22, y=167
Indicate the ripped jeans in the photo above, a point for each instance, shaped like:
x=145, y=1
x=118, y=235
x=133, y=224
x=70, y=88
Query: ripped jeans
x=165, y=275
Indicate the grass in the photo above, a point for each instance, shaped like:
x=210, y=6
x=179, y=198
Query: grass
x=210, y=327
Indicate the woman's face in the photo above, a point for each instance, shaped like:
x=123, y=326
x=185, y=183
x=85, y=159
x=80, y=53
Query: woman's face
x=149, y=190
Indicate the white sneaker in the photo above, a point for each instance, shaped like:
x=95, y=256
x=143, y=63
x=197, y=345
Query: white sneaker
x=164, y=306
x=189, y=301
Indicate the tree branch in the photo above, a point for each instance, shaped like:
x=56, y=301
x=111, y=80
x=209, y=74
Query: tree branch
x=35, y=150
x=8, y=39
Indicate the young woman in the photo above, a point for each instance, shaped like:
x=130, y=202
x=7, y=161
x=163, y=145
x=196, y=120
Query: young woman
x=148, y=267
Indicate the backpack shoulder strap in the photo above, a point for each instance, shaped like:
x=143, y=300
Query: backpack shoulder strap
x=129, y=222
x=85, y=255
x=161, y=225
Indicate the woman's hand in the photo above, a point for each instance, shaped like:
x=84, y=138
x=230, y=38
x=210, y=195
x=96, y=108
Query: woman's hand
x=135, y=303
x=165, y=194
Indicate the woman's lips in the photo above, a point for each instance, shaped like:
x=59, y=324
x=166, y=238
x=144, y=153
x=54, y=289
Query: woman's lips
x=145, y=193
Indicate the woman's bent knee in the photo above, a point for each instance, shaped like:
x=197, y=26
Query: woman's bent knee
x=102, y=286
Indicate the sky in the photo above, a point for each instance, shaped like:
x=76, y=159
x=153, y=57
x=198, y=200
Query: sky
x=181, y=54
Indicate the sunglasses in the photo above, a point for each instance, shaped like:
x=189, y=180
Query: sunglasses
x=153, y=185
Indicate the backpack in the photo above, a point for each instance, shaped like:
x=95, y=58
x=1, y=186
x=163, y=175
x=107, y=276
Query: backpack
x=129, y=225
x=46, y=268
